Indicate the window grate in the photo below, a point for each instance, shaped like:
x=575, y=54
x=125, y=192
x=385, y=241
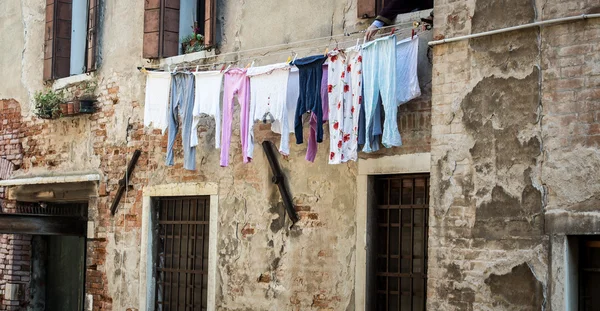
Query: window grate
x=51, y=209
x=589, y=273
x=182, y=253
x=400, y=230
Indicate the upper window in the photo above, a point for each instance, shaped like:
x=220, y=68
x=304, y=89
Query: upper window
x=70, y=39
x=373, y=8
x=173, y=27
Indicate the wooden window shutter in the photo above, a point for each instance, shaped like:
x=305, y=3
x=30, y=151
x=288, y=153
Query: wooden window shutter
x=161, y=28
x=62, y=38
x=92, y=35
x=49, y=41
x=57, y=47
x=366, y=8
x=210, y=22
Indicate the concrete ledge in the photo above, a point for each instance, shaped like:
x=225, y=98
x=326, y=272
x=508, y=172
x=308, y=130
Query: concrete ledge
x=185, y=58
x=64, y=82
x=401, y=164
x=49, y=180
x=572, y=223
x=181, y=189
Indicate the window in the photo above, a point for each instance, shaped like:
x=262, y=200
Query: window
x=371, y=8
x=399, y=272
x=182, y=253
x=168, y=22
x=589, y=273
x=70, y=39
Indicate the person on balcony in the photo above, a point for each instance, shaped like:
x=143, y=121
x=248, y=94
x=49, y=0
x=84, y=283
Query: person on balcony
x=394, y=7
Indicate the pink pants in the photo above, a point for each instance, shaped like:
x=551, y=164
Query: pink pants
x=236, y=84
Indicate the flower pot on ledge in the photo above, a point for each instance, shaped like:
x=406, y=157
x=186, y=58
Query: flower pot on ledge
x=86, y=105
x=64, y=109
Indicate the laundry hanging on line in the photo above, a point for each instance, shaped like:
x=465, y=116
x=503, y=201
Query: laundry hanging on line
x=347, y=88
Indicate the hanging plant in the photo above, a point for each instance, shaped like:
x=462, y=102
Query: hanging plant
x=47, y=104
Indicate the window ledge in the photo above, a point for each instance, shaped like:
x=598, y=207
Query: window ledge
x=185, y=58
x=64, y=82
x=412, y=16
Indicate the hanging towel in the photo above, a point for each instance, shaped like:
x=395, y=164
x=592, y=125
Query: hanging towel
x=407, y=54
x=235, y=85
x=207, y=101
x=268, y=96
x=182, y=105
x=156, y=103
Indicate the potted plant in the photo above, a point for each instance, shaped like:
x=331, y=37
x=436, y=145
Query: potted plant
x=87, y=100
x=48, y=104
x=194, y=42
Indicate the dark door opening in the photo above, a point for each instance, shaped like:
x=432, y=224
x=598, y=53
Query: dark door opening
x=58, y=273
x=182, y=253
x=58, y=252
x=397, y=259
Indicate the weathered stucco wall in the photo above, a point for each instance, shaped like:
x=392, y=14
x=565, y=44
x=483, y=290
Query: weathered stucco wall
x=262, y=263
x=514, y=148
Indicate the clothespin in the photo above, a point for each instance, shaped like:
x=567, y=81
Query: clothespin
x=174, y=70
x=252, y=65
x=223, y=68
x=393, y=30
x=143, y=70
x=289, y=59
x=357, y=42
x=326, y=51
x=197, y=66
x=412, y=36
x=247, y=66
x=295, y=56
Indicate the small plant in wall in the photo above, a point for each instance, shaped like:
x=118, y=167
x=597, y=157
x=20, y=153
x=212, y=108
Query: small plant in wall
x=88, y=98
x=48, y=104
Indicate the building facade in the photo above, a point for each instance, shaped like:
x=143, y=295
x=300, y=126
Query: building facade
x=489, y=204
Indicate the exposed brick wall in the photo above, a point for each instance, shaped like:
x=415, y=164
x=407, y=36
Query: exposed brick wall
x=15, y=250
x=10, y=131
x=15, y=268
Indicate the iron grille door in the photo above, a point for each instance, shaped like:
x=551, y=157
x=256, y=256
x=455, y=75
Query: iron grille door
x=400, y=236
x=589, y=273
x=182, y=253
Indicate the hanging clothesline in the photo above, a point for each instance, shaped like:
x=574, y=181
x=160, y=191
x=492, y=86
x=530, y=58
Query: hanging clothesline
x=327, y=85
x=187, y=65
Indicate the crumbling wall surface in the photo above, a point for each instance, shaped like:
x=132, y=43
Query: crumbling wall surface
x=263, y=264
x=487, y=249
x=571, y=124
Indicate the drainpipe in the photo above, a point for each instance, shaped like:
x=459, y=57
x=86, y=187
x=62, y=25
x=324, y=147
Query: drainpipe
x=525, y=26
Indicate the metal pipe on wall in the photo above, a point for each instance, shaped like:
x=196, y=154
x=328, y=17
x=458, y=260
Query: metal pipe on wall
x=508, y=29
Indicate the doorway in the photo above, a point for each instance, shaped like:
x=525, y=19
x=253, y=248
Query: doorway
x=58, y=252
x=58, y=273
